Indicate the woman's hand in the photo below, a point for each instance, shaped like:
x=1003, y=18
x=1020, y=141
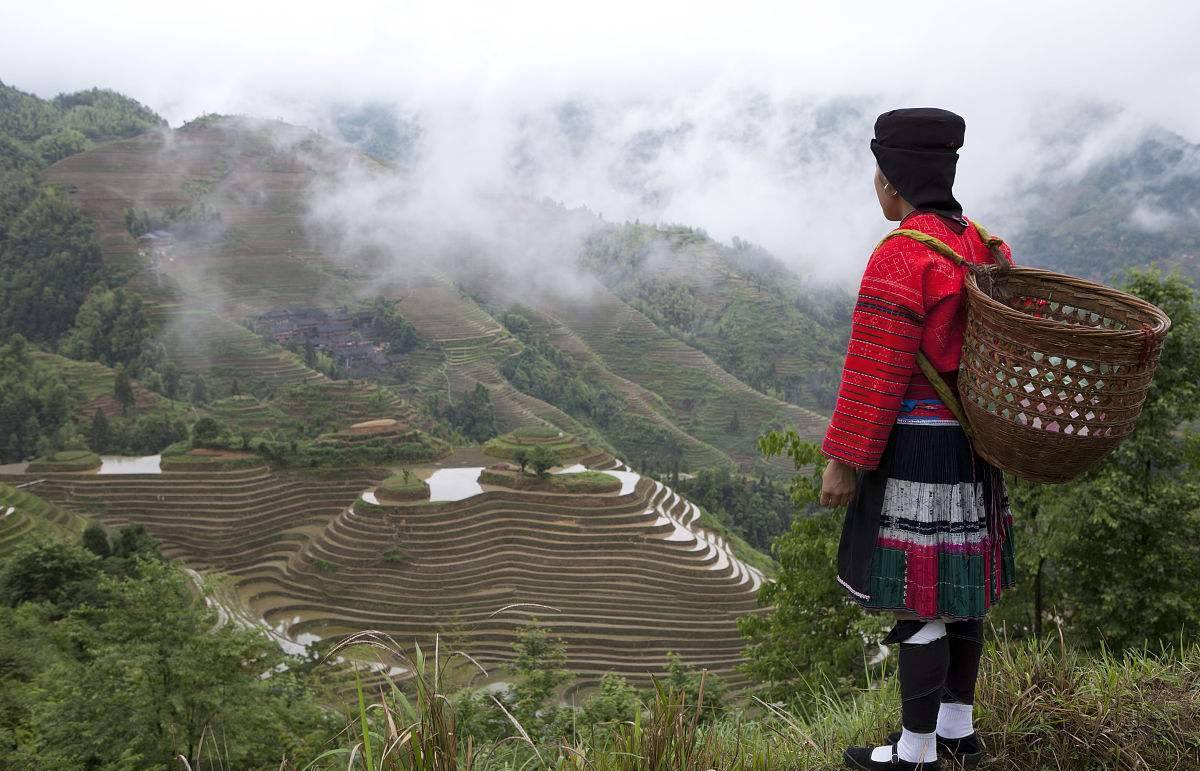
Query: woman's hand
x=837, y=484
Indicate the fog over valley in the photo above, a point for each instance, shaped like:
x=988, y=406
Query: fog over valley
x=751, y=123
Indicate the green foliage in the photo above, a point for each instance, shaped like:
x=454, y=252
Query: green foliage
x=148, y=434
x=540, y=670
x=185, y=687
x=405, y=486
x=1113, y=554
x=101, y=114
x=1086, y=226
x=35, y=405
x=397, y=335
x=205, y=432
x=544, y=371
x=473, y=415
x=811, y=636
x=720, y=301
x=52, y=148
x=112, y=328
x=34, y=132
x=759, y=510
x=542, y=459
x=49, y=262
x=95, y=540
x=199, y=391
x=520, y=456
x=123, y=391
x=693, y=683
x=100, y=436
x=615, y=700
x=56, y=572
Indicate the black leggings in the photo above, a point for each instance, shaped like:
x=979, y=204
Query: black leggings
x=944, y=670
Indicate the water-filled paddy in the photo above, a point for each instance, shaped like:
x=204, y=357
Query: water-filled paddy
x=454, y=484
x=122, y=464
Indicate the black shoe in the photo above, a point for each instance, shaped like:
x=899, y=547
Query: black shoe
x=966, y=752
x=860, y=758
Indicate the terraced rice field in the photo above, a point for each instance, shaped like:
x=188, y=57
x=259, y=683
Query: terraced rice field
x=474, y=345
x=342, y=403
x=232, y=521
x=93, y=383
x=701, y=396
x=630, y=574
x=24, y=515
x=630, y=578
x=205, y=344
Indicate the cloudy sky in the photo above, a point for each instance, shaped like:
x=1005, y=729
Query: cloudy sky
x=483, y=76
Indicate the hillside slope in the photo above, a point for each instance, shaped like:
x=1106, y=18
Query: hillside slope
x=231, y=197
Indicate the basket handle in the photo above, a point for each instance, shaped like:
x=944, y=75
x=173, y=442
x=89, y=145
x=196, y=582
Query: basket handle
x=993, y=243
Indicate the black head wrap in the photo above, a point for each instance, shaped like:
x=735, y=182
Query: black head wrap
x=917, y=151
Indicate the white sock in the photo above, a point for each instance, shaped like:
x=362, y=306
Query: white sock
x=912, y=747
x=933, y=630
x=955, y=720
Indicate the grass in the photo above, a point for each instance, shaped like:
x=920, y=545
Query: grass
x=1040, y=705
x=565, y=446
x=404, y=487
x=67, y=461
x=581, y=483
x=32, y=516
x=177, y=458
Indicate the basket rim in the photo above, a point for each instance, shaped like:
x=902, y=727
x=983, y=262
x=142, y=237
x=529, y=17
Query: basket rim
x=1158, y=329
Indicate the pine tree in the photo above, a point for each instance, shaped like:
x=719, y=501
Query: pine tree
x=123, y=391
x=101, y=434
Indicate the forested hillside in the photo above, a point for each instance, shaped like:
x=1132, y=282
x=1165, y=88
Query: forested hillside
x=1132, y=207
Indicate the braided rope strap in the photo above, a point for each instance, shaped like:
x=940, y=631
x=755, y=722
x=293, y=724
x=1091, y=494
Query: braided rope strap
x=984, y=276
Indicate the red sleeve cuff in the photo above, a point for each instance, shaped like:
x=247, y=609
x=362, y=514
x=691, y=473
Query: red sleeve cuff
x=849, y=462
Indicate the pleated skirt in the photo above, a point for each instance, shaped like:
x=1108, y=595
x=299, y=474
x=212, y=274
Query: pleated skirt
x=929, y=532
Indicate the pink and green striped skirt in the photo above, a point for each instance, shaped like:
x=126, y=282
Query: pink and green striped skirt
x=929, y=531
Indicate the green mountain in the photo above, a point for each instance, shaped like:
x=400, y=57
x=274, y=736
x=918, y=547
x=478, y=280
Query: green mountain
x=1136, y=206
x=254, y=253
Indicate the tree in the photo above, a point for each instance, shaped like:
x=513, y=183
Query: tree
x=812, y=635
x=474, y=414
x=112, y=328
x=101, y=433
x=48, y=572
x=36, y=406
x=123, y=391
x=616, y=700
x=540, y=669
x=170, y=379
x=542, y=459
x=49, y=262
x=159, y=674
x=205, y=432
x=95, y=540
x=154, y=432
x=521, y=457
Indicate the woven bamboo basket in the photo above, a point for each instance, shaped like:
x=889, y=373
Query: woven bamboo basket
x=1054, y=369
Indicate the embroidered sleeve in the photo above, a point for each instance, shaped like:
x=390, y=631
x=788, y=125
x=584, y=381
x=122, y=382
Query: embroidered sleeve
x=885, y=333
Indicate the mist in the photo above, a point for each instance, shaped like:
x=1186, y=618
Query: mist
x=751, y=122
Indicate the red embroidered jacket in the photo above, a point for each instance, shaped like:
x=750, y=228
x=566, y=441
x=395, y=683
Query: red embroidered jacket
x=910, y=297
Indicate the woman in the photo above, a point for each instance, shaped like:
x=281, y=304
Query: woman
x=926, y=534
